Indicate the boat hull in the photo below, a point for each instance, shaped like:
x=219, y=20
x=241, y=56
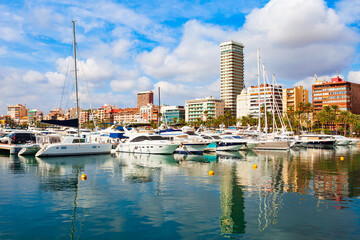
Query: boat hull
x=147, y=148
x=30, y=150
x=273, y=145
x=191, y=148
x=230, y=146
x=73, y=149
x=318, y=143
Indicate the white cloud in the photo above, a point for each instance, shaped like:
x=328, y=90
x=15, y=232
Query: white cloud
x=297, y=39
x=195, y=59
x=354, y=76
x=349, y=11
x=3, y=50
x=172, y=92
x=122, y=86
x=120, y=48
x=33, y=77
x=56, y=79
x=9, y=34
x=144, y=83
x=92, y=69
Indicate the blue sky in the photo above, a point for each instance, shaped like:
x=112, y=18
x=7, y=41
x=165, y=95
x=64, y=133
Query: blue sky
x=130, y=46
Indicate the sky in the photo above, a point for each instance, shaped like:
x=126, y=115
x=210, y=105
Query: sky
x=125, y=47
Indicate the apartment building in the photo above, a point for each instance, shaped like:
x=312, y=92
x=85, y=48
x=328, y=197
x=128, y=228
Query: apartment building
x=336, y=92
x=243, y=104
x=293, y=96
x=126, y=115
x=265, y=95
x=203, y=108
x=16, y=112
x=144, y=98
x=231, y=73
x=169, y=113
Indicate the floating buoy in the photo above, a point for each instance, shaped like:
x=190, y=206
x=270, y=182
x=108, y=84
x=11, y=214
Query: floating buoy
x=254, y=166
x=83, y=177
x=342, y=158
x=211, y=173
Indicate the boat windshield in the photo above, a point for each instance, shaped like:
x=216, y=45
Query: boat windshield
x=215, y=137
x=206, y=137
x=147, y=138
x=156, y=138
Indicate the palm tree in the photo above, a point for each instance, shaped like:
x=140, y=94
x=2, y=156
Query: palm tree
x=322, y=118
x=308, y=108
x=353, y=119
x=344, y=118
x=335, y=109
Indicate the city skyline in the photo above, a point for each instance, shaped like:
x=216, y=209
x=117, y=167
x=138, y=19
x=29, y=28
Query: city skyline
x=134, y=46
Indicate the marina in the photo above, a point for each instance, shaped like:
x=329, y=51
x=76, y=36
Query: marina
x=252, y=195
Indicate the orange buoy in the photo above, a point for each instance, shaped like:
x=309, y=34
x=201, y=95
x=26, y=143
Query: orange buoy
x=83, y=177
x=211, y=173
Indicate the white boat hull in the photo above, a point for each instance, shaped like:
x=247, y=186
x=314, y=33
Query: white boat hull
x=73, y=149
x=273, y=145
x=191, y=148
x=342, y=142
x=147, y=148
x=30, y=149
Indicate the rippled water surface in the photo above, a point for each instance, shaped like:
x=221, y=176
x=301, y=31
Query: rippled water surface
x=299, y=194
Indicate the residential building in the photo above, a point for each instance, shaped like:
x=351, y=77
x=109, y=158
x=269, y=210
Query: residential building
x=293, y=96
x=203, y=108
x=16, y=112
x=72, y=114
x=266, y=94
x=126, y=115
x=87, y=115
x=231, y=73
x=56, y=114
x=149, y=113
x=243, y=104
x=145, y=98
x=104, y=113
x=34, y=116
x=170, y=113
x=338, y=92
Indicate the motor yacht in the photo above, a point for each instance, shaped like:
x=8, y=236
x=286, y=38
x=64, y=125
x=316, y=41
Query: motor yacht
x=147, y=143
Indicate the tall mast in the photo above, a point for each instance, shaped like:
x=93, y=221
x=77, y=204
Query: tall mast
x=265, y=105
x=258, y=75
x=273, y=102
x=159, y=110
x=76, y=84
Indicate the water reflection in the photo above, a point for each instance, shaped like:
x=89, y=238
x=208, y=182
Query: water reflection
x=232, y=220
x=286, y=191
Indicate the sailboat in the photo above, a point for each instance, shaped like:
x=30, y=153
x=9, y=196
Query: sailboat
x=265, y=141
x=73, y=145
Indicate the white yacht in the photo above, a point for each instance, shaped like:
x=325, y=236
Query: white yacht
x=147, y=143
x=341, y=140
x=231, y=143
x=72, y=145
x=316, y=141
x=188, y=145
x=41, y=140
x=354, y=141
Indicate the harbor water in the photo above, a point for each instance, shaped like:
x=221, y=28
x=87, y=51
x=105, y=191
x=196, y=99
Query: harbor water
x=296, y=194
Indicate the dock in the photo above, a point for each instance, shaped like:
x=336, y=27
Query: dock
x=12, y=148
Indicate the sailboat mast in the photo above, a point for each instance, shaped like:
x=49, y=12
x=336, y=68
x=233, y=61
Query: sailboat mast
x=258, y=75
x=76, y=84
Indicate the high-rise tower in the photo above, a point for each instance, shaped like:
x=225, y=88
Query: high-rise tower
x=231, y=73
